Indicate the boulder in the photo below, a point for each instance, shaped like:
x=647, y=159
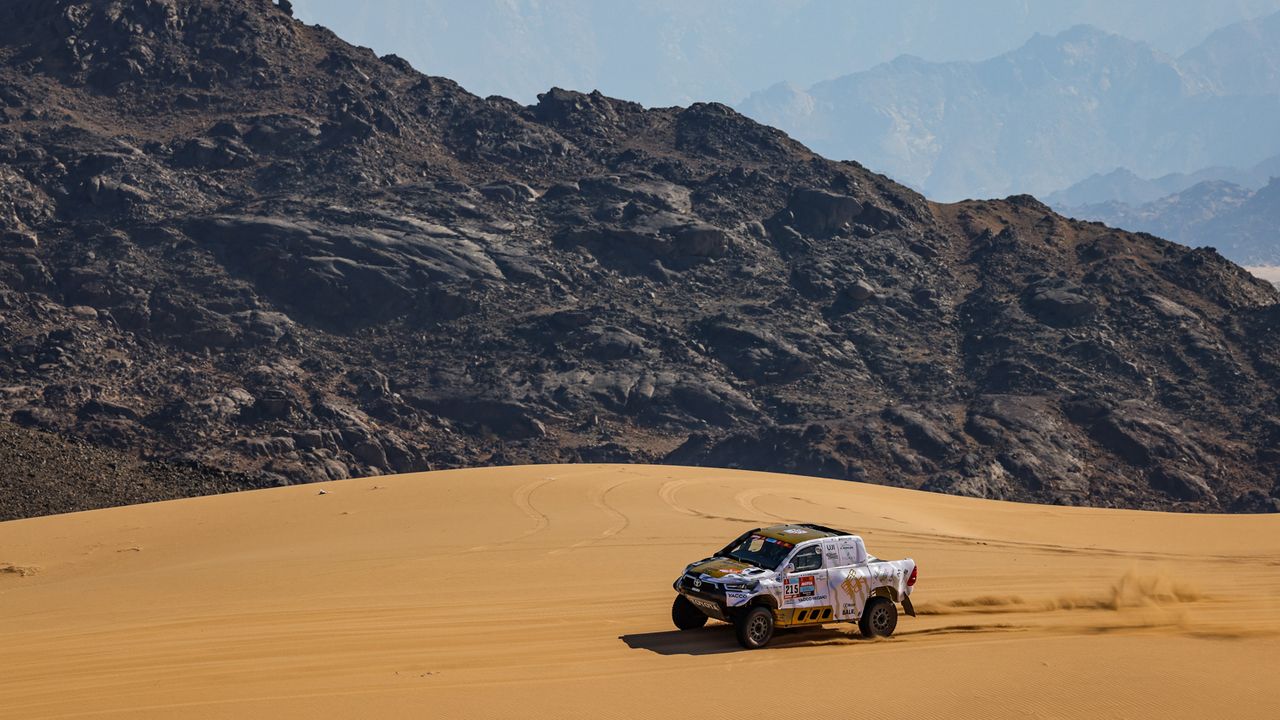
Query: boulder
x=614, y=343
x=21, y=239
x=818, y=212
x=755, y=354
x=925, y=434
x=1060, y=303
x=346, y=276
x=266, y=446
x=106, y=409
x=273, y=404
x=370, y=384
x=711, y=401
x=630, y=245
x=107, y=193
x=508, y=419
x=1181, y=484
x=509, y=191
x=861, y=290
x=260, y=327
x=36, y=417
x=370, y=453
x=1137, y=433
x=1032, y=443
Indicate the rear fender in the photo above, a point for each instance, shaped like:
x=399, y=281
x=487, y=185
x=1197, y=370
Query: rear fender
x=886, y=591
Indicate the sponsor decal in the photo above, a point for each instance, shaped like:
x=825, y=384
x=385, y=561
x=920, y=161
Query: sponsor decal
x=737, y=598
x=801, y=587
x=856, y=587
x=795, y=531
x=705, y=604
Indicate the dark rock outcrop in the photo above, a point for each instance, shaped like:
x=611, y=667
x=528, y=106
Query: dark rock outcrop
x=252, y=254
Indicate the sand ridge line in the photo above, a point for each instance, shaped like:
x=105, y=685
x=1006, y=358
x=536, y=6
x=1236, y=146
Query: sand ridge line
x=249, y=603
x=931, y=535
x=1086, y=551
x=841, y=508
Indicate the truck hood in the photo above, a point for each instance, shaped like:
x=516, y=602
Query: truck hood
x=719, y=567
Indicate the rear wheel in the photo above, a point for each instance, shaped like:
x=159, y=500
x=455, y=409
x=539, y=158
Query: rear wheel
x=879, y=618
x=754, y=628
x=686, y=615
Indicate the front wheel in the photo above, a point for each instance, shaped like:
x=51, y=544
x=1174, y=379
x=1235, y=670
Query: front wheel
x=879, y=618
x=754, y=628
x=686, y=615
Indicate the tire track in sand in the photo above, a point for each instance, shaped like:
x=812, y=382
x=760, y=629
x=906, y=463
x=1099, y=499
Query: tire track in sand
x=600, y=499
x=747, y=499
x=667, y=493
x=523, y=499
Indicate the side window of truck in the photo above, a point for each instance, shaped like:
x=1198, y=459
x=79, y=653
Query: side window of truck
x=808, y=559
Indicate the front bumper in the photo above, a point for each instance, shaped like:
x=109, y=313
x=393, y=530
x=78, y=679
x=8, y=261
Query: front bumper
x=707, y=596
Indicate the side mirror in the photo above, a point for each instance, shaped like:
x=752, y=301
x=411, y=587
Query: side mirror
x=791, y=567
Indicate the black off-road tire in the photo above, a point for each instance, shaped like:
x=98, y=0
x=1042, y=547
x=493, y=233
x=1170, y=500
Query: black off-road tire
x=754, y=627
x=879, y=618
x=686, y=615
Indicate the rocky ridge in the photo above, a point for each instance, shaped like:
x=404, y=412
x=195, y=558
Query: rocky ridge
x=1239, y=221
x=236, y=245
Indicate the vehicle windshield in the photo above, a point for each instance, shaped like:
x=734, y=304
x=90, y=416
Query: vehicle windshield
x=758, y=550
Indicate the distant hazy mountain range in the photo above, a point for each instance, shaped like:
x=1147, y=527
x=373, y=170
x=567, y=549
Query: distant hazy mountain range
x=1048, y=114
x=1241, y=222
x=669, y=52
x=1123, y=186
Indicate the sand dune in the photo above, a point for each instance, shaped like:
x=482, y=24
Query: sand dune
x=544, y=592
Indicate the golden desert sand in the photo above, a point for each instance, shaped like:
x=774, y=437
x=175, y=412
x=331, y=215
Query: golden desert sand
x=544, y=592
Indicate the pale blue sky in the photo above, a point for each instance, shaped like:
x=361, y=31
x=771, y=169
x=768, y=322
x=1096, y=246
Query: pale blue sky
x=666, y=52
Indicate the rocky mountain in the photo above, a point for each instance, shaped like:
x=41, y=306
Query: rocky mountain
x=1239, y=221
x=1046, y=115
x=1124, y=186
x=238, y=251
x=1240, y=59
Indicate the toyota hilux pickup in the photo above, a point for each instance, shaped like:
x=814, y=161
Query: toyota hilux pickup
x=794, y=575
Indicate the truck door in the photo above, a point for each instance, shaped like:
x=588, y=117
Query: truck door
x=806, y=585
x=850, y=581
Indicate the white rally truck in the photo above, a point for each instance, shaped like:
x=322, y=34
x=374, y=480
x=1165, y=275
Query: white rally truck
x=794, y=575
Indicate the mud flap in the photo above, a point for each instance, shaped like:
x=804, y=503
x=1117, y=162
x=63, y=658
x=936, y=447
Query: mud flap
x=907, y=607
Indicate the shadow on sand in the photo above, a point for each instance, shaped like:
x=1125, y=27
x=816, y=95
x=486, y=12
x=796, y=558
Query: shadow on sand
x=718, y=638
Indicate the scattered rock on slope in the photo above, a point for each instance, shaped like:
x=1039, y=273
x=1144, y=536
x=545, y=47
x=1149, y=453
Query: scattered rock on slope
x=236, y=245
